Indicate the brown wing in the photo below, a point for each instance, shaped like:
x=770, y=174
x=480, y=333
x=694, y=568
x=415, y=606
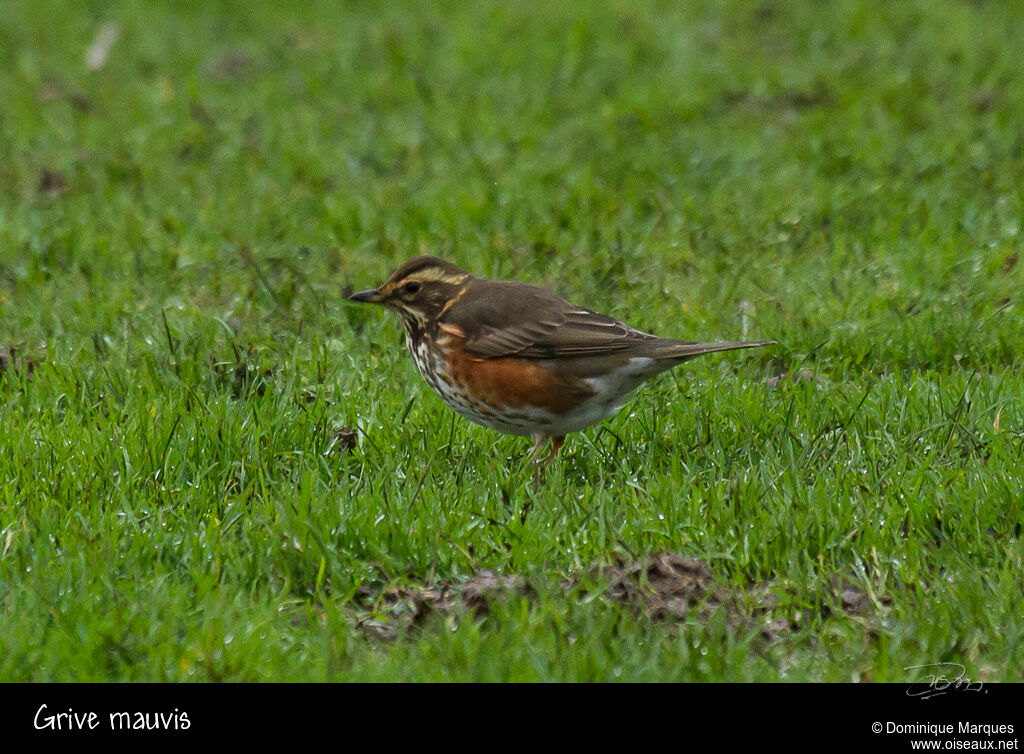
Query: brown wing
x=503, y=318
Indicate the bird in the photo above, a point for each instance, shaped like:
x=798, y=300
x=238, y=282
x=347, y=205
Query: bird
x=519, y=359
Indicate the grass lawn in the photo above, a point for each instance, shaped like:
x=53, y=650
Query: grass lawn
x=213, y=467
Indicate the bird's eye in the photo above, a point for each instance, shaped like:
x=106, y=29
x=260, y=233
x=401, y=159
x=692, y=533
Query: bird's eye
x=411, y=288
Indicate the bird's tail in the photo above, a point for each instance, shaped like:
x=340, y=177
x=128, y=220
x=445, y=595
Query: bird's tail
x=682, y=350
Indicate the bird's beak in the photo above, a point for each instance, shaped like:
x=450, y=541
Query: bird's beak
x=366, y=297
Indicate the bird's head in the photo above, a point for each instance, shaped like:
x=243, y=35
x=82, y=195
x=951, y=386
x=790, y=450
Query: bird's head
x=419, y=290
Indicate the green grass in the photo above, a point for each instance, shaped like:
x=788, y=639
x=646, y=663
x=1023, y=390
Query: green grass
x=177, y=230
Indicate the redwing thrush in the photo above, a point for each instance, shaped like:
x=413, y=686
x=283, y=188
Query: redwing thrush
x=519, y=359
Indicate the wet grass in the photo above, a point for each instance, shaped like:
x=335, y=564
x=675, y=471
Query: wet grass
x=214, y=468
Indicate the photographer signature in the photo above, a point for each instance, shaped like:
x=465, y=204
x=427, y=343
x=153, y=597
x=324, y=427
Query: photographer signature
x=939, y=681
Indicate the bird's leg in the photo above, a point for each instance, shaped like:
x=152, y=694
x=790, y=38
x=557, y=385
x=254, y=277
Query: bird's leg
x=539, y=440
x=556, y=445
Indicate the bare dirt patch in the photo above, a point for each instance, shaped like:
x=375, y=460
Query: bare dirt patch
x=664, y=586
x=669, y=587
x=402, y=608
x=804, y=375
x=853, y=599
x=230, y=65
x=343, y=440
x=52, y=183
x=13, y=362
